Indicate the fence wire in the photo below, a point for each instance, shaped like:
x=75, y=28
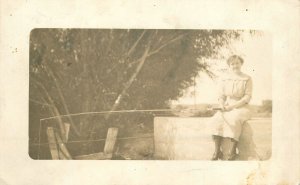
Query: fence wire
x=39, y=144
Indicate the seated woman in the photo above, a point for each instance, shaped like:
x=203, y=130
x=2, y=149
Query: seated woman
x=235, y=94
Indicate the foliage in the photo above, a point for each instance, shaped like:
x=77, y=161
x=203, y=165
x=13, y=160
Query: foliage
x=87, y=70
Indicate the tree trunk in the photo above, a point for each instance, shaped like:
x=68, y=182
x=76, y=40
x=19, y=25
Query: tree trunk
x=130, y=81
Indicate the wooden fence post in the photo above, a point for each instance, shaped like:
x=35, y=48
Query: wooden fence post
x=63, y=148
x=108, y=148
x=67, y=129
x=110, y=140
x=52, y=143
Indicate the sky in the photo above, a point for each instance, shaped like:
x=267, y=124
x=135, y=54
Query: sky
x=256, y=50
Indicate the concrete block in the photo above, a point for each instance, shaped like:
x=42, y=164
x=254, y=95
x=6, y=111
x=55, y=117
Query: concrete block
x=188, y=138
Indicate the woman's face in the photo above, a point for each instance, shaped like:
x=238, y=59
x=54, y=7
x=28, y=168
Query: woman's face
x=235, y=65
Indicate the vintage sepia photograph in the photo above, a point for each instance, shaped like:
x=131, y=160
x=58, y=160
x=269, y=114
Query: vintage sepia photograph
x=150, y=94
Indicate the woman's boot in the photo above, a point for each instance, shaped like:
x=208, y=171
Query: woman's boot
x=217, y=154
x=229, y=149
x=232, y=155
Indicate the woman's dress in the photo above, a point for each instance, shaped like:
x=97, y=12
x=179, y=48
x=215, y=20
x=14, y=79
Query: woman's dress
x=233, y=88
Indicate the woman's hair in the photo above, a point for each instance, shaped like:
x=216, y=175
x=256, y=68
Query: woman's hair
x=235, y=57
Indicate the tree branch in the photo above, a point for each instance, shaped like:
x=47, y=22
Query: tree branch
x=130, y=81
x=165, y=44
x=40, y=103
x=49, y=71
x=61, y=125
x=60, y=122
x=135, y=44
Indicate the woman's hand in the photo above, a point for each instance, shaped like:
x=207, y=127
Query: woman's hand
x=229, y=108
x=222, y=107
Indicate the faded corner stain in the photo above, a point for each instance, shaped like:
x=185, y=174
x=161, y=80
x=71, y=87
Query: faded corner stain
x=3, y=182
x=257, y=177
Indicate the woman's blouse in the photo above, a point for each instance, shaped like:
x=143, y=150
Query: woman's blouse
x=236, y=87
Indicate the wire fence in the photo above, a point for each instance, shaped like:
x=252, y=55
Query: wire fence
x=93, y=140
x=39, y=144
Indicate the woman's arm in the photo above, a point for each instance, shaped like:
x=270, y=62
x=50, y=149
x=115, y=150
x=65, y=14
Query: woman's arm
x=222, y=97
x=245, y=99
x=221, y=103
